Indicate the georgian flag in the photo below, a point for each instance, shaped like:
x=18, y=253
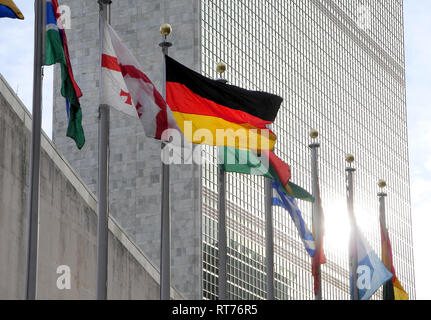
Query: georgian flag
x=126, y=88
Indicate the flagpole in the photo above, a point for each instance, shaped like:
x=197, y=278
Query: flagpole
x=222, y=236
x=388, y=289
x=316, y=206
x=33, y=195
x=165, y=245
x=103, y=171
x=382, y=195
x=269, y=240
x=353, y=254
x=222, y=233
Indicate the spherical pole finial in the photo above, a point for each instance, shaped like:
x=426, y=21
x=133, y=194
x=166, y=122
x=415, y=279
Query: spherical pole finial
x=166, y=29
x=350, y=158
x=382, y=184
x=221, y=67
x=314, y=134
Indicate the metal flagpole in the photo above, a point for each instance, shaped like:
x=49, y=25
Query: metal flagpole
x=165, y=246
x=103, y=184
x=222, y=233
x=388, y=288
x=353, y=254
x=382, y=195
x=222, y=236
x=269, y=240
x=33, y=195
x=316, y=206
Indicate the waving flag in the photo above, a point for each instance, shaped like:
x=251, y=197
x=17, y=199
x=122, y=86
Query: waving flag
x=267, y=165
x=57, y=51
x=298, y=192
x=372, y=273
x=280, y=199
x=126, y=88
x=203, y=107
x=8, y=9
x=392, y=290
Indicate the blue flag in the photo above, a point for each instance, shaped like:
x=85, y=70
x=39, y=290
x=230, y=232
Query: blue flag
x=281, y=199
x=372, y=273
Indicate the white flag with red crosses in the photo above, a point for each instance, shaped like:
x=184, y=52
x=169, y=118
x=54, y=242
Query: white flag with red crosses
x=126, y=88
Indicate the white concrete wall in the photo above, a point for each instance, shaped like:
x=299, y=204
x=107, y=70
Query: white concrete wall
x=68, y=223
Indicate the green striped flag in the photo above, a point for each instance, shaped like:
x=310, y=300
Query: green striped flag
x=247, y=162
x=57, y=52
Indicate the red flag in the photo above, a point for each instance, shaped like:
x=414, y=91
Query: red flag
x=319, y=256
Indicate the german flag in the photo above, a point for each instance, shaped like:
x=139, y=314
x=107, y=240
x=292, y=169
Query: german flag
x=213, y=113
x=8, y=9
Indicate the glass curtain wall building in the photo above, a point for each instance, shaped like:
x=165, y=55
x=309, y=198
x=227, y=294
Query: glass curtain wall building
x=340, y=67
x=338, y=64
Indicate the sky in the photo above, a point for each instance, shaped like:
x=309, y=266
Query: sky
x=418, y=63
x=16, y=66
x=16, y=61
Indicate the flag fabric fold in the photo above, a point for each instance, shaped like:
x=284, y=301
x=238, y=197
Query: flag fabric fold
x=285, y=201
x=126, y=87
x=202, y=107
x=392, y=289
x=399, y=292
x=318, y=233
x=267, y=165
x=57, y=51
x=372, y=273
x=8, y=9
x=298, y=192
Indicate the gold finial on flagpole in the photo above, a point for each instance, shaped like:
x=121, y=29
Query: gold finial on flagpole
x=350, y=158
x=221, y=67
x=166, y=29
x=382, y=184
x=314, y=134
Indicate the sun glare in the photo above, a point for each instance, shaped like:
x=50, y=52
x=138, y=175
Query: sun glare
x=337, y=225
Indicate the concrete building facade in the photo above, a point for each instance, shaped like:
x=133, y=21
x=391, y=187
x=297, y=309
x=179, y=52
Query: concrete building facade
x=67, y=226
x=135, y=166
x=339, y=65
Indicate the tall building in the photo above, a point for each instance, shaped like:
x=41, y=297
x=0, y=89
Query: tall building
x=338, y=64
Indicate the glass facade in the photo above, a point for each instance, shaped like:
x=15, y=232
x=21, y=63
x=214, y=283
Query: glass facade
x=339, y=65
